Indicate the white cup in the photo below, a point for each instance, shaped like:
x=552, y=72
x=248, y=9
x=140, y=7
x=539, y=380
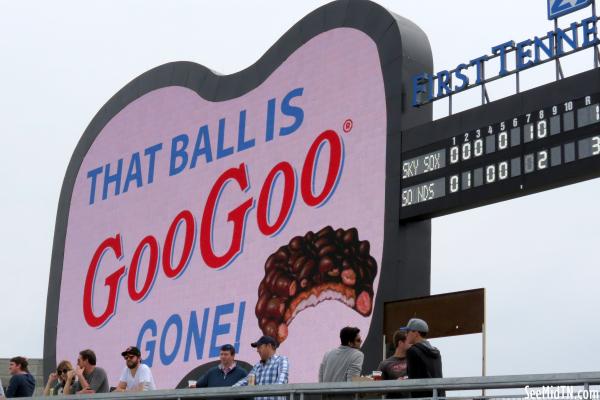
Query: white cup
x=191, y=384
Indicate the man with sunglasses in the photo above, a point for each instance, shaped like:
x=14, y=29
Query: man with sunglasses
x=344, y=362
x=136, y=377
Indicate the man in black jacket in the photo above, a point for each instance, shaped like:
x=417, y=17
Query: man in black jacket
x=423, y=360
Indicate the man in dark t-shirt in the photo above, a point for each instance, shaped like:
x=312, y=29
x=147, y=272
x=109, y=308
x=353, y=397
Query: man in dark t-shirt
x=90, y=379
x=394, y=367
x=22, y=383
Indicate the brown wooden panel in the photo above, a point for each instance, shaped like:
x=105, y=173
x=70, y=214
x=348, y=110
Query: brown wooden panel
x=447, y=314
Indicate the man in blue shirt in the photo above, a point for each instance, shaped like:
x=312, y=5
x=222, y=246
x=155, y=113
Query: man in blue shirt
x=272, y=369
x=22, y=383
x=226, y=373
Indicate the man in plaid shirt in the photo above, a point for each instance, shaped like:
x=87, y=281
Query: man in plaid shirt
x=272, y=368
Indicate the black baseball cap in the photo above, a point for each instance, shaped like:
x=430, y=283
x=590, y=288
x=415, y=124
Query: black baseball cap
x=134, y=351
x=265, y=340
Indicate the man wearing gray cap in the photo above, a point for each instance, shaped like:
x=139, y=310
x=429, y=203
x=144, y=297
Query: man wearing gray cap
x=423, y=360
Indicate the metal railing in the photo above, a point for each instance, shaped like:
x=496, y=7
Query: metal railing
x=377, y=389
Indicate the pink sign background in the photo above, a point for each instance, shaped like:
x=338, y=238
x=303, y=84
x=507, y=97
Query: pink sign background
x=341, y=78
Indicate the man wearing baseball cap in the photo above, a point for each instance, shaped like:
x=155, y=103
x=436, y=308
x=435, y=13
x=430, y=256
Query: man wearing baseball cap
x=136, y=377
x=423, y=360
x=272, y=369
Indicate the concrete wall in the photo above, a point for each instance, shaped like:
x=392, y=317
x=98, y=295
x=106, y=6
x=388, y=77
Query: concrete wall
x=35, y=368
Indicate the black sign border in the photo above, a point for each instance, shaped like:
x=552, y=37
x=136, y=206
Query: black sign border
x=403, y=51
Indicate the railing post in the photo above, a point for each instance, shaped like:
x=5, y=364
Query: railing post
x=595, y=35
x=450, y=98
x=482, y=83
x=556, y=62
x=435, y=394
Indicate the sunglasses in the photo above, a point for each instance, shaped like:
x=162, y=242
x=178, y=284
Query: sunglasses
x=62, y=371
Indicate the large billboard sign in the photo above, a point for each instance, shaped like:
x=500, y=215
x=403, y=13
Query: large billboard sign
x=200, y=210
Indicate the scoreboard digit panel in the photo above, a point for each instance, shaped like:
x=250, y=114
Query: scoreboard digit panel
x=533, y=141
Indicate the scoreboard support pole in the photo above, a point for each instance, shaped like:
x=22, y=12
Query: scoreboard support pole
x=595, y=46
x=483, y=344
x=483, y=354
x=559, y=73
x=405, y=270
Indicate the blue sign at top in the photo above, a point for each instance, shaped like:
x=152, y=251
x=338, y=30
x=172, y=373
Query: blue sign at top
x=557, y=8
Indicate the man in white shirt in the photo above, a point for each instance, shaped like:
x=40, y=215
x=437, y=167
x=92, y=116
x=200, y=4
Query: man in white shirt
x=136, y=377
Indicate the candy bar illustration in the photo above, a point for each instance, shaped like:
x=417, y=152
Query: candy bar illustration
x=327, y=265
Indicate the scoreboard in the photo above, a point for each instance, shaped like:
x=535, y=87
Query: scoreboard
x=529, y=142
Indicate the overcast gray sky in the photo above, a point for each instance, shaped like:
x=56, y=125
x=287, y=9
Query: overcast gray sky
x=61, y=61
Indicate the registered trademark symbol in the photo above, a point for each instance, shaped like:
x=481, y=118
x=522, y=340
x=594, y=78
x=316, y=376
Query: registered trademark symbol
x=348, y=125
